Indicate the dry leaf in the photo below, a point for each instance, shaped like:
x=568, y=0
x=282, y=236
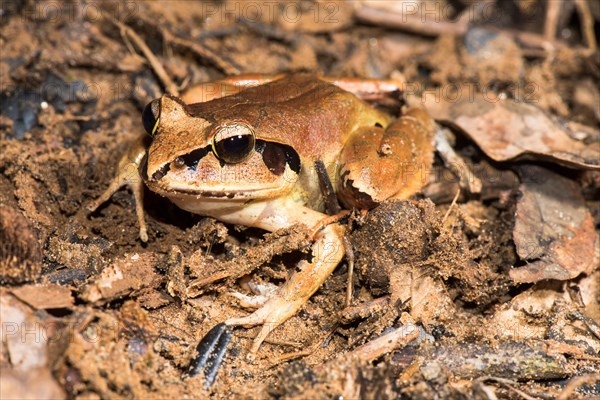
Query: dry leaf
x=46, y=296
x=128, y=275
x=20, y=252
x=507, y=129
x=35, y=384
x=553, y=228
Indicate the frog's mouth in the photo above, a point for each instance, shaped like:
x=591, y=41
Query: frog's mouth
x=270, y=169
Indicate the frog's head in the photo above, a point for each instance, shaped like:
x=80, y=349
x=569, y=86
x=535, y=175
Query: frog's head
x=193, y=156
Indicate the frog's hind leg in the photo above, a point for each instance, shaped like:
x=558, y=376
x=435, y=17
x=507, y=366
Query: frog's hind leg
x=207, y=91
x=128, y=175
x=379, y=163
x=376, y=90
x=382, y=91
x=328, y=250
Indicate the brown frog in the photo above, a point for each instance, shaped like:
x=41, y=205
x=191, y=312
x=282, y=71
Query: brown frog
x=247, y=154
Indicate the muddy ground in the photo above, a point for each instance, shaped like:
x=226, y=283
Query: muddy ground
x=498, y=282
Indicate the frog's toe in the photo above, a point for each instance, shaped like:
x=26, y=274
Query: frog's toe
x=250, y=302
x=274, y=312
x=263, y=293
x=210, y=354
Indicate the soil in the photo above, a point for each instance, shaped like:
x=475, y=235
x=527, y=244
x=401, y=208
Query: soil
x=122, y=318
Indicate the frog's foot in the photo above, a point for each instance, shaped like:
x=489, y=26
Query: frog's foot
x=328, y=250
x=128, y=176
x=270, y=315
x=212, y=348
x=263, y=292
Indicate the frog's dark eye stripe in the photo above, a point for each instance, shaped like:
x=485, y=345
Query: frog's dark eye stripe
x=151, y=116
x=192, y=159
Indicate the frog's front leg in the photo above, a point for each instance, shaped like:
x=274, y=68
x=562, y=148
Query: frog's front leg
x=394, y=162
x=128, y=175
x=327, y=251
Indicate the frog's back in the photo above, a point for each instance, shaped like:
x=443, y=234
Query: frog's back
x=301, y=110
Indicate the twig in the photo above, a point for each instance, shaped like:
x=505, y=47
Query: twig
x=202, y=51
x=292, y=356
x=272, y=341
x=587, y=24
x=152, y=59
x=577, y=382
x=509, y=384
x=350, y=261
x=202, y=282
x=332, y=219
x=410, y=22
x=534, y=40
x=71, y=117
x=351, y=314
x=452, y=205
x=279, y=242
x=415, y=24
x=374, y=349
x=304, y=353
x=455, y=163
x=551, y=22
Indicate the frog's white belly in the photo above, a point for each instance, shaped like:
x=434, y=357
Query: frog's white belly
x=265, y=214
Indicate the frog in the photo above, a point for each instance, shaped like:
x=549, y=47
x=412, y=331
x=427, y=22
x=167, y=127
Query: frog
x=245, y=150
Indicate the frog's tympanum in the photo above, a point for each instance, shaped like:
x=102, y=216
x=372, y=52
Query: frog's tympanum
x=246, y=155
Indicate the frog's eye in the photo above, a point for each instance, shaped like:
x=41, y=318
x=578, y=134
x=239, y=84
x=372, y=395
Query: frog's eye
x=233, y=142
x=150, y=116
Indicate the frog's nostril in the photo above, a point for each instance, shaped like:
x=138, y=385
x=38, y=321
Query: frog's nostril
x=158, y=175
x=179, y=162
x=191, y=159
